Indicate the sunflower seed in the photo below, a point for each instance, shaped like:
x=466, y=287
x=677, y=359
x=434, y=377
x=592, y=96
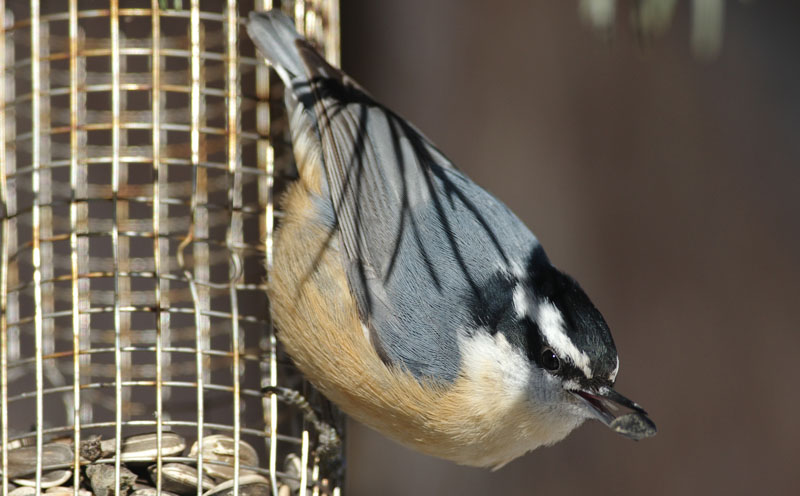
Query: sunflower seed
x=22, y=461
x=293, y=468
x=23, y=491
x=141, y=484
x=143, y=448
x=220, y=448
x=151, y=491
x=634, y=425
x=180, y=478
x=68, y=490
x=249, y=485
x=49, y=479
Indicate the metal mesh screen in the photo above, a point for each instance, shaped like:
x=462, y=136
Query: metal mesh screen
x=139, y=144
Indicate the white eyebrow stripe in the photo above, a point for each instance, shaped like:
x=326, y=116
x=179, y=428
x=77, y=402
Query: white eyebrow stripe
x=521, y=301
x=551, y=323
x=614, y=372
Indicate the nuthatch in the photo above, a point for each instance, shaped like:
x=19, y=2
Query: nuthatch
x=414, y=299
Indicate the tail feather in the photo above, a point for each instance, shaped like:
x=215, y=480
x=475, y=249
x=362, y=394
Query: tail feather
x=274, y=34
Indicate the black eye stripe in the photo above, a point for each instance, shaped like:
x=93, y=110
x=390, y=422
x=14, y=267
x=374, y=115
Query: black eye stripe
x=550, y=361
x=534, y=340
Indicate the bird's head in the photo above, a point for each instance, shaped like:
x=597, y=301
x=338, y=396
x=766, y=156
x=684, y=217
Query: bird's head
x=558, y=351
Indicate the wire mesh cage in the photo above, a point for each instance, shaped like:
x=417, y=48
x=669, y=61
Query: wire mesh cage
x=140, y=141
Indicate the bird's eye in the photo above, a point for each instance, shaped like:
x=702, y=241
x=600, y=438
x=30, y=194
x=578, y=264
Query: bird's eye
x=550, y=360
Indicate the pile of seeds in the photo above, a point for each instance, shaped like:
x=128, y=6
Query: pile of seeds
x=138, y=472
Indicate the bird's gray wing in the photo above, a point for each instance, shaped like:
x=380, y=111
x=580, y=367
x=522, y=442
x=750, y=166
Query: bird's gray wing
x=421, y=242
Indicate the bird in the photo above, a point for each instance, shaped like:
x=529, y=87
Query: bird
x=412, y=298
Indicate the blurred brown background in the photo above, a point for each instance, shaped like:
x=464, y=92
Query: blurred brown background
x=668, y=186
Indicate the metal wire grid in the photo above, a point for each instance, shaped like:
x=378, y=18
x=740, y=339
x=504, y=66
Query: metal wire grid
x=138, y=151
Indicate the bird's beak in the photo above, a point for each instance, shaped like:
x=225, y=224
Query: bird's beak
x=604, y=403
